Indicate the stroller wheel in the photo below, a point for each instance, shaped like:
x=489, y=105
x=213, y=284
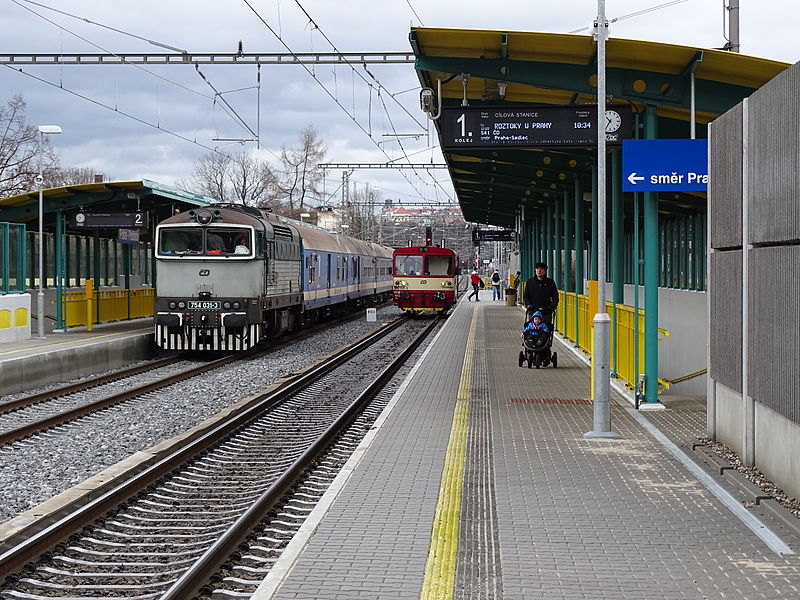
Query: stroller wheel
x=554, y=360
x=521, y=357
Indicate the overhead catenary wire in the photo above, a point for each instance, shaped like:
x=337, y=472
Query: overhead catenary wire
x=90, y=22
x=377, y=82
x=113, y=109
x=336, y=100
x=635, y=14
x=122, y=59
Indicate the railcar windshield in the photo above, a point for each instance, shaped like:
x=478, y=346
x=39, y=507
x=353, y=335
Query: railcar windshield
x=407, y=265
x=438, y=265
x=213, y=241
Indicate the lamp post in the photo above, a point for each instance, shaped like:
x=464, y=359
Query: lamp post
x=43, y=129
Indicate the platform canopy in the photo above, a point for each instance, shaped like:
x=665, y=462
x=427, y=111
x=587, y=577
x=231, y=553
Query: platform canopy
x=511, y=68
x=160, y=200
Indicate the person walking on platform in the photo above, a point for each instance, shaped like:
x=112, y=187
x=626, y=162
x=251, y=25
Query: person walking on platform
x=475, y=280
x=496, y=295
x=541, y=294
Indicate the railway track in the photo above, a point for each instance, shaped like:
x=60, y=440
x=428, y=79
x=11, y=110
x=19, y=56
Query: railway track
x=166, y=540
x=31, y=415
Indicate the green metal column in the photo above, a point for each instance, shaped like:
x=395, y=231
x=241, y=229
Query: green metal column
x=549, y=243
x=568, y=280
x=96, y=267
x=579, y=246
x=59, y=239
x=555, y=268
x=651, y=272
x=593, y=261
x=617, y=235
x=126, y=268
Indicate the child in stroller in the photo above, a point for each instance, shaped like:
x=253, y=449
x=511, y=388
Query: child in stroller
x=536, y=342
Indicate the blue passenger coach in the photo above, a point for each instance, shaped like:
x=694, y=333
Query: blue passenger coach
x=230, y=276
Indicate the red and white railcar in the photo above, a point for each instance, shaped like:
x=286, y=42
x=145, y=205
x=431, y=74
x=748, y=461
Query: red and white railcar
x=425, y=278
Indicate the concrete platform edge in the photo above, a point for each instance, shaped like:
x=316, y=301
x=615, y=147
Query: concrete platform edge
x=289, y=557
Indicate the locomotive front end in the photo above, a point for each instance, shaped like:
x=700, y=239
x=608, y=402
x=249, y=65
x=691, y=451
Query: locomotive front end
x=210, y=281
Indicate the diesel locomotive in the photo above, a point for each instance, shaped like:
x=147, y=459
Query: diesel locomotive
x=229, y=276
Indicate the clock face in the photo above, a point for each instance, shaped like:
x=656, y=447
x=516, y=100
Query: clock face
x=613, y=121
x=80, y=218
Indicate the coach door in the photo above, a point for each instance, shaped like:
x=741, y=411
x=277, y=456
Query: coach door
x=329, y=276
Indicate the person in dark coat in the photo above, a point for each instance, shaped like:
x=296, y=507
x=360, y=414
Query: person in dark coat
x=541, y=294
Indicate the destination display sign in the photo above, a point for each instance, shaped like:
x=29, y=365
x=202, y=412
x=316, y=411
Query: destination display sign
x=531, y=127
x=493, y=235
x=116, y=220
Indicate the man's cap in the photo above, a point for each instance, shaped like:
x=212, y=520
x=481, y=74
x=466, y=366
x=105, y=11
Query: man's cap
x=540, y=265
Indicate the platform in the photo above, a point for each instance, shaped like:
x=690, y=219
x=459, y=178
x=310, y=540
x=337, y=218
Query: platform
x=58, y=357
x=477, y=482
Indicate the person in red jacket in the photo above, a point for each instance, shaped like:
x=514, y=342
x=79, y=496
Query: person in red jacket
x=475, y=279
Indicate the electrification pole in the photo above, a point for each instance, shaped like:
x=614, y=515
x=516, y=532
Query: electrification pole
x=602, y=322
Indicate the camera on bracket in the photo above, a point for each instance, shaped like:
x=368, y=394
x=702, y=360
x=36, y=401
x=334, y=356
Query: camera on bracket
x=426, y=101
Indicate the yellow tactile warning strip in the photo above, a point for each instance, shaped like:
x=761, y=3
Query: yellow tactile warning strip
x=440, y=570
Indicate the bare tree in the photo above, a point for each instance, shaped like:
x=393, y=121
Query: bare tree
x=19, y=159
x=70, y=176
x=359, y=214
x=237, y=178
x=300, y=181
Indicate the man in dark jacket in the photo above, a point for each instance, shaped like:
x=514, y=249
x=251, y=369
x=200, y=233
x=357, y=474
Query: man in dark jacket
x=541, y=294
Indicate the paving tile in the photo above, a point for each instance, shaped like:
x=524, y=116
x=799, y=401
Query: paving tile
x=575, y=518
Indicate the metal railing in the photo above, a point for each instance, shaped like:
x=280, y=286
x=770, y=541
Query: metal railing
x=575, y=324
x=110, y=305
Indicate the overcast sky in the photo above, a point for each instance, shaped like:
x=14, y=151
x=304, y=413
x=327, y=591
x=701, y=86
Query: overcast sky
x=125, y=149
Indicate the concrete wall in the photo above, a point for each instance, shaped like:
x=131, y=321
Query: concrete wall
x=777, y=438
x=15, y=321
x=683, y=313
x=763, y=134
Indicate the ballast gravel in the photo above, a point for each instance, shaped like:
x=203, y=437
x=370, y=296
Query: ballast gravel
x=32, y=471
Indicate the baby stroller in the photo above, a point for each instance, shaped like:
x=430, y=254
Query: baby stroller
x=536, y=345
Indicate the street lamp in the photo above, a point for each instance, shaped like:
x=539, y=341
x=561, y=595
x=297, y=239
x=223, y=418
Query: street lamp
x=43, y=129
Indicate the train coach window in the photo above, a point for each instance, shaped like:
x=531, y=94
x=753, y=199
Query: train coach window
x=181, y=240
x=408, y=265
x=438, y=265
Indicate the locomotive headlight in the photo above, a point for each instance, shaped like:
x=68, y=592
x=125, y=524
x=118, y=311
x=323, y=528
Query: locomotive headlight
x=447, y=283
x=400, y=283
x=181, y=304
x=237, y=305
x=172, y=304
x=226, y=305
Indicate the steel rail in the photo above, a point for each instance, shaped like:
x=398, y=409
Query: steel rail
x=67, y=390
x=197, y=576
x=98, y=405
x=75, y=516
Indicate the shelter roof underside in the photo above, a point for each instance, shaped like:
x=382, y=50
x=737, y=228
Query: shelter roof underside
x=114, y=196
x=561, y=69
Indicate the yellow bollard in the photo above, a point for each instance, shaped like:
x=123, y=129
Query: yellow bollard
x=89, y=299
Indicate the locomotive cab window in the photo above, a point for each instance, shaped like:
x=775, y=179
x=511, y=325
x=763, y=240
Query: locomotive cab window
x=438, y=265
x=228, y=241
x=180, y=240
x=408, y=265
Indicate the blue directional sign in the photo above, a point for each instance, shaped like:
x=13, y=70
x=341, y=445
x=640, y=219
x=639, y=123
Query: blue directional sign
x=664, y=165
